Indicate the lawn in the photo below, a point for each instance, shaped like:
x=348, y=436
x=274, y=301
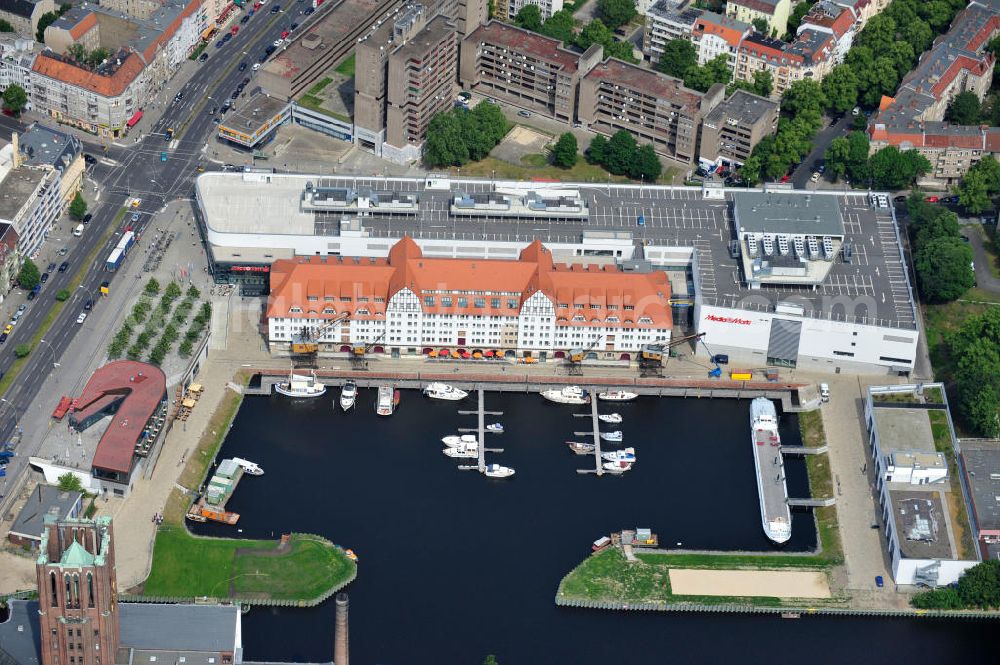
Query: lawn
x=347, y=66
x=956, y=502
x=186, y=566
x=536, y=166
x=821, y=485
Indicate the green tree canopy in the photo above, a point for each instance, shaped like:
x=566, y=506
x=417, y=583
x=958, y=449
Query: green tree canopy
x=15, y=98
x=943, y=267
x=964, y=109
x=444, y=145
x=795, y=18
x=973, y=193
x=803, y=95
x=6, y=27
x=559, y=26
x=564, y=151
x=597, y=151
x=457, y=136
x=714, y=71
x=975, y=346
x=529, y=18
x=70, y=482
x=679, y=57
x=78, y=207
x=763, y=83
x=840, y=88
x=761, y=26
x=44, y=21
x=944, y=224
x=892, y=169
x=29, y=277
x=620, y=152
x=616, y=12
x=594, y=32
x=646, y=165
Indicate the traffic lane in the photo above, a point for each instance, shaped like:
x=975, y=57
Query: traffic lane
x=800, y=177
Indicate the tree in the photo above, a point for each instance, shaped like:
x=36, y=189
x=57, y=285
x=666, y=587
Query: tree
x=6, y=27
x=803, y=95
x=15, y=98
x=892, y=169
x=559, y=26
x=975, y=346
x=616, y=12
x=763, y=83
x=973, y=193
x=152, y=287
x=70, y=482
x=564, y=151
x=444, y=145
x=78, y=207
x=62, y=295
x=944, y=224
x=77, y=51
x=761, y=26
x=795, y=18
x=964, y=109
x=22, y=350
x=679, y=57
x=840, y=88
x=837, y=157
x=97, y=56
x=714, y=71
x=44, y=21
x=529, y=18
x=646, y=165
x=594, y=32
x=29, y=277
x=943, y=269
x=491, y=660
x=620, y=49
x=597, y=152
x=621, y=149
x=918, y=34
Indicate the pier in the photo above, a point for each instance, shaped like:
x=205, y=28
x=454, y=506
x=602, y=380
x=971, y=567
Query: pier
x=803, y=450
x=595, y=432
x=812, y=503
x=480, y=431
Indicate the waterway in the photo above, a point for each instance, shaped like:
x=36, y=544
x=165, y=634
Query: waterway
x=454, y=566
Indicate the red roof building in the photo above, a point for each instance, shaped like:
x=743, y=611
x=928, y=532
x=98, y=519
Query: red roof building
x=134, y=394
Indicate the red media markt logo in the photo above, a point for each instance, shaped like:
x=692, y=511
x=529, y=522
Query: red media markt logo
x=728, y=319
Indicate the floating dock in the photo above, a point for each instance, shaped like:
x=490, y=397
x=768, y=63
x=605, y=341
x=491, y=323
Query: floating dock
x=595, y=432
x=211, y=504
x=480, y=431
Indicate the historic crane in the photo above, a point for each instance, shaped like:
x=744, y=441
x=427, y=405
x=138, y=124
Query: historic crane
x=359, y=359
x=651, y=356
x=306, y=342
x=575, y=357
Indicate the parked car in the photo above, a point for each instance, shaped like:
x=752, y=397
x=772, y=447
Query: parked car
x=89, y=304
x=293, y=26
x=179, y=96
x=63, y=266
x=82, y=317
x=87, y=218
x=31, y=294
x=245, y=19
x=89, y=159
x=815, y=177
x=785, y=177
x=879, y=582
x=932, y=199
x=900, y=199
x=52, y=266
x=284, y=34
x=3, y=337
x=275, y=9
x=243, y=66
x=8, y=329
x=45, y=275
x=308, y=11
x=135, y=217
x=203, y=57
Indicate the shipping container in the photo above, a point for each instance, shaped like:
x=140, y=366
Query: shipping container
x=741, y=375
x=227, y=469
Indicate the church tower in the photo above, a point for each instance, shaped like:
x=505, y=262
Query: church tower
x=78, y=613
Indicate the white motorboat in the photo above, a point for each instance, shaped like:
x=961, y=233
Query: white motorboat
x=581, y=448
x=613, y=418
x=627, y=455
x=444, y=391
x=348, y=394
x=613, y=437
x=617, y=396
x=617, y=467
x=498, y=471
x=455, y=441
x=460, y=452
x=567, y=395
x=249, y=467
x=384, y=405
x=495, y=427
x=300, y=386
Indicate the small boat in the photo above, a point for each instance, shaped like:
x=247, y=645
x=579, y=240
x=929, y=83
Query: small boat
x=495, y=427
x=348, y=394
x=396, y=395
x=249, y=467
x=498, y=471
x=444, y=391
x=384, y=405
x=617, y=467
x=300, y=386
x=461, y=452
x=617, y=396
x=627, y=455
x=351, y=555
x=600, y=544
x=613, y=418
x=455, y=441
x=567, y=395
x=581, y=448
x=613, y=437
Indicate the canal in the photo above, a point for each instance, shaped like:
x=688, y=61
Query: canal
x=454, y=566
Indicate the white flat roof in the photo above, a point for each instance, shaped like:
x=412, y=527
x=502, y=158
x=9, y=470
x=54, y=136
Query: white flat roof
x=255, y=203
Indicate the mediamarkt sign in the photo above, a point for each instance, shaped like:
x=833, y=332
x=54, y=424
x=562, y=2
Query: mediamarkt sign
x=728, y=319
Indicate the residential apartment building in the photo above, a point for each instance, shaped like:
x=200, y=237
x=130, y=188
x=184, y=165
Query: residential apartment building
x=23, y=15
x=17, y=57
x=10, y=259
x=411, y=304
x=422, y=81
x=525, y=69
x=732, y=129
x=833, y=19
x=666, y=21
x=44, y=147
x=508, y=9
x=914, y=118
x=653, y=107
x=715, y=35
x=30, y=198
x=773, y=12
x=809, y=56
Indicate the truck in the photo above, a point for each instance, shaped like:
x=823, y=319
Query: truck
x=114, y=260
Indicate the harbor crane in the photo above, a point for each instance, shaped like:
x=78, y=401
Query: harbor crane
x=306, y=342
x=651, y=356
x=359, y=354
x=575, y=357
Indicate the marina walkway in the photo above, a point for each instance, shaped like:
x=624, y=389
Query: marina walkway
x=595, y=432
x=480, y=431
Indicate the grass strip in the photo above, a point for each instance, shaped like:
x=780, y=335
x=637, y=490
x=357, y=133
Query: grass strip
x=347, y=66
x=57, y=307
x=956, y=503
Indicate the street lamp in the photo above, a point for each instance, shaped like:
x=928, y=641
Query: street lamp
x=52, y=351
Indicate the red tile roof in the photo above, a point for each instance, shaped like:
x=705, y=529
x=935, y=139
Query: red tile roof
x=135, y=391
x=106, y=86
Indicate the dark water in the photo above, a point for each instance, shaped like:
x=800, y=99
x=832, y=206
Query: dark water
x=455, y=566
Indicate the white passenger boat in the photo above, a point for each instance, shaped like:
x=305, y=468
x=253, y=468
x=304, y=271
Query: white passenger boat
x=627, y=455
x=498, y=471
x=444, y=391
x=461, y=452
x=775, y=515
x=249, y=467
x=384, y=404
x=300, y=386
x=348, y=394
x=567, y=395
x=495, y=427
x=613, y=437
x=581, y=448
x=617, y=467
x=617, y=396
x=613, y=418
x=454, y=440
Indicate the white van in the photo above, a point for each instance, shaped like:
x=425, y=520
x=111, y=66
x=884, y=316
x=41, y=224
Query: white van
x=824, y=392
x=78, y=231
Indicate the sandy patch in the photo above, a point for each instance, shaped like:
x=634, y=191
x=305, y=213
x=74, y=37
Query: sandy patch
x=775, y=583
x=17, y=573
x=524, y=136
